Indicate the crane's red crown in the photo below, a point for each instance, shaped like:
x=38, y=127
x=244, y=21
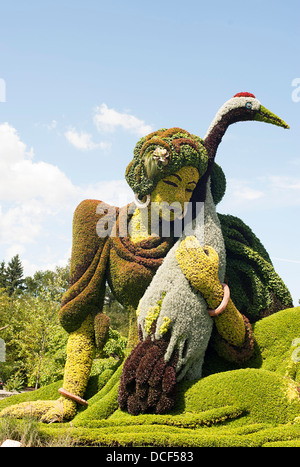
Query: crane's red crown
x=244, y=94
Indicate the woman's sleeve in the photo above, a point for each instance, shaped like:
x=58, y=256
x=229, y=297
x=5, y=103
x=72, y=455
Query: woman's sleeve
x=234, y=353
x=90, y=252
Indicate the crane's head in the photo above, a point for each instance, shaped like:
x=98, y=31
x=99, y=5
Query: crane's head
x=241, y=107
x=244, y=106
x=264, y=115
x=255, y=110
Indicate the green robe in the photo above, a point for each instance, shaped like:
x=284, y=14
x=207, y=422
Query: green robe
x=255, y=287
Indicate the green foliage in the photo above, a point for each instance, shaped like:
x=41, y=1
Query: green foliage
x=276, y=402
x=15, y=383
x=90, y=254
x=35, y=341
x=2, y=275
x=43, y=281
x=218, y=183
x=103, y=403
x=25, y=431
x=278, y=344
x=256, y=406
x=116, y=312
x=254, y=435
x=115, y=345
x=12, y=276
x=29, y=434
x=256, y=289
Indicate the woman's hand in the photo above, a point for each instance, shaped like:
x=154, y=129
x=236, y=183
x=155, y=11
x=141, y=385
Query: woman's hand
x=200, y=266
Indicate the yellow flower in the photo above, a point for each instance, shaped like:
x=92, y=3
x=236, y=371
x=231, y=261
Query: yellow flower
x=165, y=325
x=153, y=314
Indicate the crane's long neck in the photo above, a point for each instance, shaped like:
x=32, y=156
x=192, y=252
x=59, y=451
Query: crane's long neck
x=225, y=117
x=207, y=229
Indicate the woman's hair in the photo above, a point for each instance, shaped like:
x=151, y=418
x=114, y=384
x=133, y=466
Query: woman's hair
x=161, y=153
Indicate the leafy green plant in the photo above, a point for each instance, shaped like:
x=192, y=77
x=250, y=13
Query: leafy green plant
x=115, y=345
x=35, y=340
x=15, y=383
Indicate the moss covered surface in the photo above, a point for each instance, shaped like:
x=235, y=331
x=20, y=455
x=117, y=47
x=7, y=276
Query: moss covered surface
x=254, y=406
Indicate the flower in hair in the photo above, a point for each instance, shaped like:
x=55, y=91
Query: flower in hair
x=161, y=155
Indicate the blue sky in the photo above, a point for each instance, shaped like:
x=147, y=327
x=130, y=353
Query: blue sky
x=83, y=80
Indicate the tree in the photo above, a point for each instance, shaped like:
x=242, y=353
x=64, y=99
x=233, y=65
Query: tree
x=43, y=281
x=3, y=275
x=35, y=340
x=14, y=276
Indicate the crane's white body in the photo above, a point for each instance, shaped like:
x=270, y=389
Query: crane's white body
x=185, y=309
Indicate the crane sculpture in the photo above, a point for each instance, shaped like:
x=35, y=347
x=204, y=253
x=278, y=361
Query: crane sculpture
x=174, y=318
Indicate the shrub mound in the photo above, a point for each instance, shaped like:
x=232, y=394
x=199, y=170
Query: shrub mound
x=254, y=406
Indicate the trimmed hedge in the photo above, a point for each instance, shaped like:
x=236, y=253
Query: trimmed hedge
x=267, y=396
x=254, y=435
x=258, y=406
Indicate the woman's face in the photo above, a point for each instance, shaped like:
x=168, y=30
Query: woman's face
x=176, y=188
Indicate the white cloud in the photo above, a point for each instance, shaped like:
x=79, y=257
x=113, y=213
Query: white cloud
x=249, y=194
x=52, y=125
x=43, y=263
x=286, y=260
x=18, y=225
x=240, y=191
x=13, y=250
x=114, y=192
x=263, y=192
x=284, y=183
x=37, y=201
x=282, y=190
x=29, y=191
x=22, y=179
x=12, y=149
x=84, y=141
x=108, y=120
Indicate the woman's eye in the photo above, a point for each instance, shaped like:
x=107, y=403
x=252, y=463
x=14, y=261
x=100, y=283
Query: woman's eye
x=168, y=182
x=189, y=190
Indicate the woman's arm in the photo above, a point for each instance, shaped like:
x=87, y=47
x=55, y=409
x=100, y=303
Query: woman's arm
x=200, y=267
x=88, y=266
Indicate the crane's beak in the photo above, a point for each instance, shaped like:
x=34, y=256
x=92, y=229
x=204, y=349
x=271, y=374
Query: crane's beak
x=264, y=115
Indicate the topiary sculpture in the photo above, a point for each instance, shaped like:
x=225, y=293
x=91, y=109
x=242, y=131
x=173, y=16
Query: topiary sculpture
x=118, y=246
x=175, y=306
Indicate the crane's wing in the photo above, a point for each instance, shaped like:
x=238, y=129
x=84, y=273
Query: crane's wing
x=256, y=289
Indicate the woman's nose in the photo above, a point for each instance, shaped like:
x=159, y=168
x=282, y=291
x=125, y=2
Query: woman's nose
x=180, y=195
